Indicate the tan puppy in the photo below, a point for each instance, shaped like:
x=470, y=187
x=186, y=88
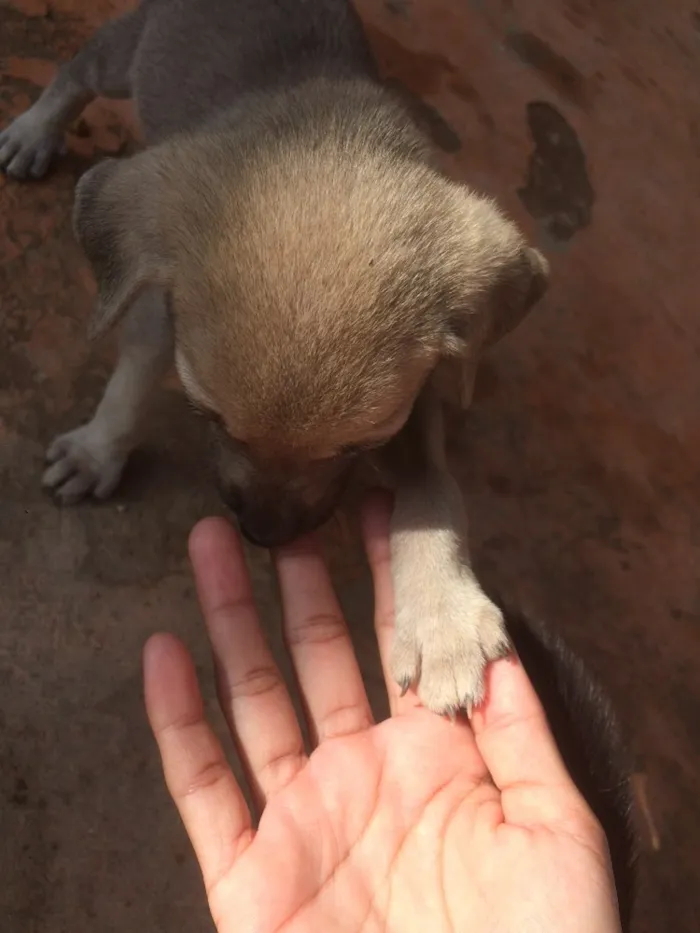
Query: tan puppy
x=324, y=287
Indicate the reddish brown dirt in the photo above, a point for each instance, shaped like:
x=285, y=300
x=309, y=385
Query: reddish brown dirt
x=581, y=458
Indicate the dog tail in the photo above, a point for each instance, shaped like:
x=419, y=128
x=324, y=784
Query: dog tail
x=589, y=740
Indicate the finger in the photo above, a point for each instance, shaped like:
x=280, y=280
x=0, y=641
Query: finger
x=516, y=743
x=324, y=660
x=197, y=774
x=252, y=692
x=376, y=521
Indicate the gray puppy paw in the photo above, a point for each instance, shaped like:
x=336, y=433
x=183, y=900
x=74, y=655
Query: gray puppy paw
x=446, y=633
x=83, y=463
x=28, y=145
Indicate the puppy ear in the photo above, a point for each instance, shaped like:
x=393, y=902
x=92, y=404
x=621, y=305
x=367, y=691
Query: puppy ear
x=519, y=291
x=116, y=222
x=514, y=290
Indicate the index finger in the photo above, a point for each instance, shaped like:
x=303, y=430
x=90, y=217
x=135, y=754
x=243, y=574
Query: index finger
x=252, y=692
x=376, y=521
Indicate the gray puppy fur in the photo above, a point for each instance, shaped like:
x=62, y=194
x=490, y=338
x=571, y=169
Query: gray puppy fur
x=323, y=289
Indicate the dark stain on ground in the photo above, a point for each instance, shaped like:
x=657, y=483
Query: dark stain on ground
x=631, y=72
x=20, y=797
x=556, y=70
x=470, y=94
x=557, y=191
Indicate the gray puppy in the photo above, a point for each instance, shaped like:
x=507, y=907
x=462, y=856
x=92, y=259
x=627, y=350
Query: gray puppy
x=286, y=237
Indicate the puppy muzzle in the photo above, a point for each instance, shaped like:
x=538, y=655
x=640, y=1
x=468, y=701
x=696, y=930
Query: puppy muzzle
x=273, y=529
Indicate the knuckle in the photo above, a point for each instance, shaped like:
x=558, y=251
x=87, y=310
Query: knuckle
x=254, y=682
x=222, y=615
x=344, y=721
x=209, y=775
x=281, y=769
x=316, y=628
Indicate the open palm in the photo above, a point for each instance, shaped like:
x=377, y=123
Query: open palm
x=415, y=823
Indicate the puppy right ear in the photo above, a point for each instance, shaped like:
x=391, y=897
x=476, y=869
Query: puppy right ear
x=117, y=226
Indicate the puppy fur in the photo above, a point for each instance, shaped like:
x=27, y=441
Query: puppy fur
x=286, y=236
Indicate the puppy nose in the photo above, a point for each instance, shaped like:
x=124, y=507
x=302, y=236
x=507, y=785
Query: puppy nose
x=267, y=533
x=266, y=525
x=232, y=499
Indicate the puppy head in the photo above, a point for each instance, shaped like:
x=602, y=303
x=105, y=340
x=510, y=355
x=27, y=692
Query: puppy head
x=313, y=294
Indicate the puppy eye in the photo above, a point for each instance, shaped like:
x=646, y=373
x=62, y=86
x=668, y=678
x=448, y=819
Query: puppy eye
x=211, y=416
x=207, y=413
x=215, y=419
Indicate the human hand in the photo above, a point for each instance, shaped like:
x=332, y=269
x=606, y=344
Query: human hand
x=411, y=824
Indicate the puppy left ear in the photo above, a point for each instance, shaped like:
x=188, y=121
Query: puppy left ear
x=116, y=220
x=520, y=289
x=513, y=287
x=519, y=285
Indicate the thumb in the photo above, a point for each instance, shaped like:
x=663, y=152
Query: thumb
x=518, y=748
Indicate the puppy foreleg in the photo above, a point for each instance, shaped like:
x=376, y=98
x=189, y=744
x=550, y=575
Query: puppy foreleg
x=100, y=69
x=90, y=460
x=447, y=629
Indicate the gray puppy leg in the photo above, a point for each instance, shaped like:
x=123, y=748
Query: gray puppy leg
x=100, y=69
x=90, y=459
x=446, y=628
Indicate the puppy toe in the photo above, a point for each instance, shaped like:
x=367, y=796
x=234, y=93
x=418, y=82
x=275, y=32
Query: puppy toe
x=41, y=161
x=18, y=166
x=493, y=637
x=8, y=150
x=61, y=470
x=405, y=661
x=55, y=451
x=108, y=482
x=453, y=682
x=75, y=489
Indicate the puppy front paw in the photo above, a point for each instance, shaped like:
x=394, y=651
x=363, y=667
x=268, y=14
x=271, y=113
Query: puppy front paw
x=443, y=641
x=82, y=463
x=28, y=145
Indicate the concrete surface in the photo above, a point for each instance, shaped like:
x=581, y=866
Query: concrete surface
x=581, y=458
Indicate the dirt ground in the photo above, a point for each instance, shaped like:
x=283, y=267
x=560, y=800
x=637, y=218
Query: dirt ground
x=580, y=459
